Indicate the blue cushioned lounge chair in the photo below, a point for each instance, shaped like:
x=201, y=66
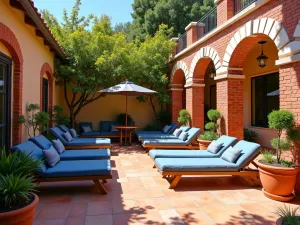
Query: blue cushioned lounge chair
x=189, y=143
x=81, y=143
x=161, y=153
x=64, y=128
x=178, y=167
x=76, y=154
x=173, y=127
x=94, y=170
x=141, y=137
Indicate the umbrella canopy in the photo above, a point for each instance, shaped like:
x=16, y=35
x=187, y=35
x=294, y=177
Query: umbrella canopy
x=127, y=88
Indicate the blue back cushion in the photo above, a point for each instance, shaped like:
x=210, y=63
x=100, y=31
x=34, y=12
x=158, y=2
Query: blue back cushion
x=58, y=134
x=64, y=128
x=192, y=133
x=227, y=142
x=84, y=124
x=29, y=147
x=41, y=141
x=185, y=128
x=249, y=151
x=105, y=126
x=173, y=127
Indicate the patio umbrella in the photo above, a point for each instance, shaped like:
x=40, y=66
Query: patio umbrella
x=127, y=88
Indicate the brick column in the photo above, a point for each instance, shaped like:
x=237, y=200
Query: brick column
x=225, y=10
x=191, y=33
x=230, y=103
x=176, y=104
x=195, y=104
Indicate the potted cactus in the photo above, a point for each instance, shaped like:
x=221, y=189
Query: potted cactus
x=278, y=176
x=211, y=129
x=17, y=200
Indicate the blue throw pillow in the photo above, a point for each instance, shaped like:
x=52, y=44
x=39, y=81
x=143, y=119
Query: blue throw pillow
x=183, y=136
x=214, y=147
x=231, y=154
x=51, y=156
x=59, y=146
x=177, y=132
x=73, y=133
x=67, y=136
x=166, y=129
x=87, y=129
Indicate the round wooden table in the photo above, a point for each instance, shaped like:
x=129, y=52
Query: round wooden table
x=128, y=130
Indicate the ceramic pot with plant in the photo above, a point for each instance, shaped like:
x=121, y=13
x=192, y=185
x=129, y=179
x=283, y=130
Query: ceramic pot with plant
x=288, y=215
x=17, y=200
x=278, y=176
x=210, y=134
x=184, y=117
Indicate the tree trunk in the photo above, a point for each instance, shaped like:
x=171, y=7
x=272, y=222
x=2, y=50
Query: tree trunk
x=153, y=109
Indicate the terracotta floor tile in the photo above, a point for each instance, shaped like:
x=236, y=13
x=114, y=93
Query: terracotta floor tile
x=204, y=199
x=232, y=198
x=78, y=209
x=50, y=222
x=124, y=206
x=162, y=203
x=148, y=182
x=52, y=199
x=54, y=211
x=170, y=216
x=99, y=220
x=146, y=203
x=193, y=216
x=182, y=202
x=99, y=208
x=154, y=192
x=76, y=221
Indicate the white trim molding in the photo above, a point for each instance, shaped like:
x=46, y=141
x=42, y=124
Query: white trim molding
x=192, y=24
x=194, y=85
x=175, y=89
x=180, y=65
x=230, y=76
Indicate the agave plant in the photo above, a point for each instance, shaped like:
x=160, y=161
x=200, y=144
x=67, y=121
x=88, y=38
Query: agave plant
x=290, y=216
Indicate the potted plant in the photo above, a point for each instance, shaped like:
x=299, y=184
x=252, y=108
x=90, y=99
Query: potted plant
x=211, y=129
x=17, y=200
x=278, y=176
x=184, y=117
x=287, y=215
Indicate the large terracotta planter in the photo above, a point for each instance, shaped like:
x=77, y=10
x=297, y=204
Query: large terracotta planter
x=23, y=216
x=278, y=182
x=203, y=144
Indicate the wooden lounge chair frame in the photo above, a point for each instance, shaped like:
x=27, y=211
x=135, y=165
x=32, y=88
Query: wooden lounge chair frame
x=95, y=147
x=192, y=146
x=95, y=179
x=250, y=175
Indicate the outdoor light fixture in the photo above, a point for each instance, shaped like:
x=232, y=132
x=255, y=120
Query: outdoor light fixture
x=262, y=59
x=212, y=74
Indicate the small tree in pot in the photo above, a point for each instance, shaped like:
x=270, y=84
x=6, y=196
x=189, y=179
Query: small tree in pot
x=211, y=129
x=17, y=201
x=184, y=117
x=278, y=176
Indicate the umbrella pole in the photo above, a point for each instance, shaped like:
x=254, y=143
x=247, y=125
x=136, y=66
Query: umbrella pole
x=126, y=123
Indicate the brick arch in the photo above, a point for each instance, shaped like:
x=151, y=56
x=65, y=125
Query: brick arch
x=206, y=52
x=9, y=40
x=180, y=65
x=46, y=68
x=255, y=29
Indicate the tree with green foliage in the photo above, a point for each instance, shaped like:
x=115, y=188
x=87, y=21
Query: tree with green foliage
x=58, y=118
x=148, y=15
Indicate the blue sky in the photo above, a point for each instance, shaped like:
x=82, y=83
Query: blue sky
x=118, y=10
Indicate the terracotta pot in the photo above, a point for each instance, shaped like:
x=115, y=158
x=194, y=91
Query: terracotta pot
x=278, y=182
x=203, y=144
x=23, y=216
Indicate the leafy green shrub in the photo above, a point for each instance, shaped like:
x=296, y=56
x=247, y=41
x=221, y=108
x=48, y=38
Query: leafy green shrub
x=250, y=135
x=38, y=121
x=268, y=156
x=184, y=117
x=211, y=127
x=58, y=118
x=289, y=215
x=121, y=119
x=281, y=120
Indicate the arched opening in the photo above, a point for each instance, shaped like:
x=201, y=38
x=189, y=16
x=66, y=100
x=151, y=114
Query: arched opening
x=261, y=84
x=179, y=82
x=11, y=73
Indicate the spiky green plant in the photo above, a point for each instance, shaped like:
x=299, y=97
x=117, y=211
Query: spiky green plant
x=268, y=156
x=290, y=216
x=15, y=190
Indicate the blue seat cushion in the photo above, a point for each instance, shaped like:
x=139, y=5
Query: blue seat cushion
x=160, y=142
x=89, y=141
x=93, y=133
x=58, y=134
x=79, y=168
x=195, y=165
x=29, y=147
x=64, y=128
x=85, y=154
x=157, y=136
x=41, y=141
x=105, y=126
x=154, y=154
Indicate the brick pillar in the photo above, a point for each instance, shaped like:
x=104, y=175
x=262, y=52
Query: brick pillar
x=195, y=104
x=230, y=104
x=191, y=33
x=174, y=51
x=200, y=30
x=225, y=10
x=176, y=104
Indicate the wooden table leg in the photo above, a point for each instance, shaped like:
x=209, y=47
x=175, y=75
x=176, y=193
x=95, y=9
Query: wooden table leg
x=130, y=137
x=121, y=137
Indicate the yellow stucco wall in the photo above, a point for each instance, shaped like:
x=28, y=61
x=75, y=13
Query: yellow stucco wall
x=34, y=52
x=251, y=69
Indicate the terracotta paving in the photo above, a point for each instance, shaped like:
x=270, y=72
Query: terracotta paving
x=137, y=194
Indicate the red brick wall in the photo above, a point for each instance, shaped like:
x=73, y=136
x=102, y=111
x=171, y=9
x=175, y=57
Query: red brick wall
x=225, y=10
x=195, y=105
x=10, y=41
x=191, y=35
x=176, y=96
